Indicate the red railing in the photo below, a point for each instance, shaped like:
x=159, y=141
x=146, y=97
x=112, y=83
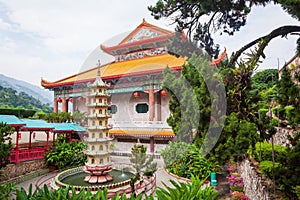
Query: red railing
x=26, y=154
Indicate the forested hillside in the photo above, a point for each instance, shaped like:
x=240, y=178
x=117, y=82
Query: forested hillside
x=10, y=98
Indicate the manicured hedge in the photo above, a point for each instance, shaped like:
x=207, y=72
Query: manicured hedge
x=23, y=113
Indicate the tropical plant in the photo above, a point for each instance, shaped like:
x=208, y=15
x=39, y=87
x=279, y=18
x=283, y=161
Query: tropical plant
x=186, y=191
x=64, y=193
x=7, y=190
x=5, y=143
x=65, y=155
x=192, y=163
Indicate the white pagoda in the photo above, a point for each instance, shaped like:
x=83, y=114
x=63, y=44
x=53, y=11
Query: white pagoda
x=99, y=162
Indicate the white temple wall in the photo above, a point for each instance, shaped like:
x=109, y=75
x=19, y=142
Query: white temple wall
x=126, y=107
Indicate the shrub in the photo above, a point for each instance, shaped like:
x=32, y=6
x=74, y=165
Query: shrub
x=65, y=155
x=192, y=163
x=238, y=196
x=266, y=167
x=174, y=151
x=265, y=149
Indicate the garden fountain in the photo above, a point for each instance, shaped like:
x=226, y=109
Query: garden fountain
x=99, y=172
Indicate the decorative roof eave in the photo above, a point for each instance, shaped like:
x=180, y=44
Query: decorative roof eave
x=221, y=57
x=289, y=62
x=48, y=85
x=16, y=125
x=124, y=46
x=145, y=24
x=142, y=135
x=63, y=131
x=35, y=129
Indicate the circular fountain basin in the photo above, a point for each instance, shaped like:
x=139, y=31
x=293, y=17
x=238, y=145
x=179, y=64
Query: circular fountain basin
x=78, y=179
x=75, y=179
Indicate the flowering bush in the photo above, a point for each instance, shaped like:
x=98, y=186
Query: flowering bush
x=236, y=182
x=239, y=196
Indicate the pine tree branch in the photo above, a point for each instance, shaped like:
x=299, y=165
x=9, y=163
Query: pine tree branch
x=281, y=31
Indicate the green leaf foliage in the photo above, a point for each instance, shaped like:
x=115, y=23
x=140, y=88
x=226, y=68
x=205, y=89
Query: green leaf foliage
x=65, y=155
x=263, y=152
x=186, y=191
x=174, y=151
x=192, y=163
x=266, y=167
x=140, y=160
x=237, y=136
x=5, y=143
x=10, y=99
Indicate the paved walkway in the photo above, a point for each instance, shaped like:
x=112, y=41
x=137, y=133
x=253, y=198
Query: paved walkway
x=161, y=175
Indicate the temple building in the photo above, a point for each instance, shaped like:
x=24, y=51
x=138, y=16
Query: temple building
x=138, y=105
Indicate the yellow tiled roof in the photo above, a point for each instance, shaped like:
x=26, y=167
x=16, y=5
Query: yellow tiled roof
x=125, y=68
x=165, y=133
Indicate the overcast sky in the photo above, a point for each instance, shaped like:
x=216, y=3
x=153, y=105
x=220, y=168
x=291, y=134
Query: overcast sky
x=53, y=39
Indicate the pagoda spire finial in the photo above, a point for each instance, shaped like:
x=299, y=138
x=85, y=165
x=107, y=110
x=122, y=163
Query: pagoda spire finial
x=98, y=72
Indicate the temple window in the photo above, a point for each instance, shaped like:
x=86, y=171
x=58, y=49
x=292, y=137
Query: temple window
x=100, y=111
x=100, y=135
x=107, y=159
x=93, y=160
x=93, y=123
x=142, y=108
x=93, y=148
x=112, y=109
x=101, y=148
x=101, y=161
x=93, y=135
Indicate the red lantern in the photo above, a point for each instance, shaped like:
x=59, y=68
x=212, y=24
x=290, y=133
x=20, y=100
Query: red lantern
x=19, y=136
x=59, y=100
x=71, y=100
x=163, y=92
x=33, y=135
x=136, y=95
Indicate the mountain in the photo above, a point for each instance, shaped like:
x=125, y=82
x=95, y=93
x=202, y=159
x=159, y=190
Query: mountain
x=21, y=86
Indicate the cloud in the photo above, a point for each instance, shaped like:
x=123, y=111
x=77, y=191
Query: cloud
x=53, y=39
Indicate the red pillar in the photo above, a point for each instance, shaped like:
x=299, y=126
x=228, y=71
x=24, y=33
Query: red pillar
x=151, y=144
x=30, y=139
x=158, y=106
x=151, y=105
x=64, y=105
x=55, y=105
x=47, y=142
x=17, y=146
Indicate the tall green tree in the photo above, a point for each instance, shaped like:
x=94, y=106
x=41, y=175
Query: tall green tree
x=5, y=143
x=203, y=18
x=141, y=160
